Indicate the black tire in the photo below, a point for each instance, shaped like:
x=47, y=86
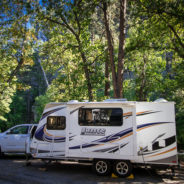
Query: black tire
x=102, y=167
x=1, y=153
x=122, y=168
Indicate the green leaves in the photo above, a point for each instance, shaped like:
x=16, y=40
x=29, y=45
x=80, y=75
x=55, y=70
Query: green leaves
x=64, y=44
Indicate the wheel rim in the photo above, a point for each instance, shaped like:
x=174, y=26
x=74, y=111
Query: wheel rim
x=122, y=168
x=101, y=167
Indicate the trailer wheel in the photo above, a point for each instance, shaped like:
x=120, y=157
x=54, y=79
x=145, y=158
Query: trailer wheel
x=122, y=168
x=102, y=167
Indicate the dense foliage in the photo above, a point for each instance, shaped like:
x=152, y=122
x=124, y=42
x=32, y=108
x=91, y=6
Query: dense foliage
x=82, y=49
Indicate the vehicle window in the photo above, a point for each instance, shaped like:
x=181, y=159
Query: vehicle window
x=19, y=130
x=100, y=117
x=56, y=123
x=33, y=131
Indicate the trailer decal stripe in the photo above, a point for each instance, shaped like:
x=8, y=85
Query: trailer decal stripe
x=108, y=139
x=118, y=148
x=147, y=152
x=111, y=149
x=50, y=135
x=145, y=113
x=106, y=149
x=172, y=149
x=128, y=114
x=50, y=112
x=42, y=135
x=144, y=127
x=131, y=133
x=172, y=159
x=147, y=125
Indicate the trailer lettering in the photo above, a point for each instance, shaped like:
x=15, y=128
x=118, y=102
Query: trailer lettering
x=93, y=131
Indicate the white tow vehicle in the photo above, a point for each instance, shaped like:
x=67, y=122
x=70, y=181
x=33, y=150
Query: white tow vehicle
x=14, y=139
x=113, y=134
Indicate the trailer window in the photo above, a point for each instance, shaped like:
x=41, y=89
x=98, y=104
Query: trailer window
x=100, y=117
x=56, y=123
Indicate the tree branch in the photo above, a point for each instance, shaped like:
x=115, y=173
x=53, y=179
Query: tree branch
x=76, y=18
x=56, y=74
x=65, y=24
x=176, y=35
x=54, y=21
x=69, y=27
x=99, y=56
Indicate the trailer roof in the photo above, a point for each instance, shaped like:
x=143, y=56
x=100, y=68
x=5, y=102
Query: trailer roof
x=54, y=104
x=105, y=102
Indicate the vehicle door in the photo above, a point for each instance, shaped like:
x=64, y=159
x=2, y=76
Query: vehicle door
x=30, y=137
x=15, y=139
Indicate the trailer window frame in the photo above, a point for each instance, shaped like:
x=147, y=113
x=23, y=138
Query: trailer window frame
x=88, y=118
x=58, y=124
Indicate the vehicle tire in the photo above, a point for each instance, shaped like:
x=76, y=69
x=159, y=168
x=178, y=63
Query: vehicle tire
x=122, y=168
x=1, y=153
x=102, y=167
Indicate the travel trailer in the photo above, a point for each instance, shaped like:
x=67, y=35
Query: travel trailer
x=113, y=134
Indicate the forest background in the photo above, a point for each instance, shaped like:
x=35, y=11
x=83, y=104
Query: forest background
x=60, y=50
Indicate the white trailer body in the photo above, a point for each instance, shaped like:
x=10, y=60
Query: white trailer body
x=140, y=132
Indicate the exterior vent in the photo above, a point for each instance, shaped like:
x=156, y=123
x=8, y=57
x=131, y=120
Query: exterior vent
x=161, y=100
x=73, y=101
x=116, y=100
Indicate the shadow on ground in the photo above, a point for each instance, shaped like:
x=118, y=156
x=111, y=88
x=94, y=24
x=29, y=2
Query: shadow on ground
x=15, y=169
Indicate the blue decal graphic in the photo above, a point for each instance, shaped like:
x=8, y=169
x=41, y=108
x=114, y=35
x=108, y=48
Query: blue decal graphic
x=42, y=135
x=106, y=139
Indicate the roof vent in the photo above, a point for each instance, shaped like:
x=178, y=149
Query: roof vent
x=73, y=101
x=116, y=100
x=161, y=100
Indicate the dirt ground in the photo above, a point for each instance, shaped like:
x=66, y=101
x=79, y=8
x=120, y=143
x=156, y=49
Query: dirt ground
x=13, y=170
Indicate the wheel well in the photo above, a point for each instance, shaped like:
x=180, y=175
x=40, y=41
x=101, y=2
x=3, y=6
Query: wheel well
x=110, y=160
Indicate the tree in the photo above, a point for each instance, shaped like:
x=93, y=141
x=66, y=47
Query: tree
x=15, y=48
x=117, y=70
x=74, y=17
x=165, y=20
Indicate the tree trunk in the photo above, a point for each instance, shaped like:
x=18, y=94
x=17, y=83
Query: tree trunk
x=87, y=75
x=86, y=70
x=111, y=50
x=121, y=53
x=107, y=82
x=142, y=91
